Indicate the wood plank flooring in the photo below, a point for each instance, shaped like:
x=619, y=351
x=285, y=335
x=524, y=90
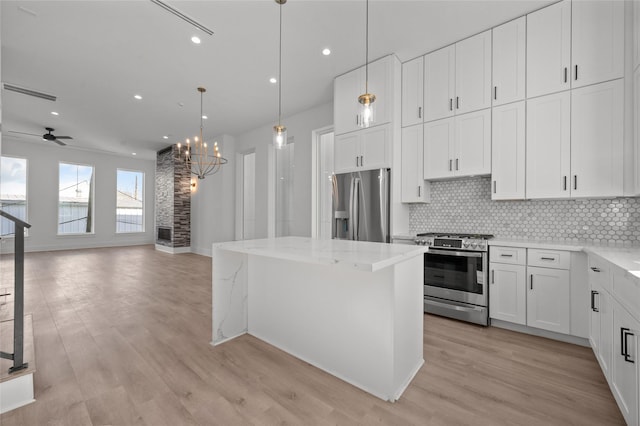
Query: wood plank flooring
x=122, y=337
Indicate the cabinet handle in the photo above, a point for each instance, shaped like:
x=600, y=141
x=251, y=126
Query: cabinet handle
x=576, y=73
x=356, y=161
x=450, y=104
x=565, y=74
x=419, y=112
x=419, y=188
x=457, y=102
x=624, y=344
x=575, y=182
x=361, y=161
x=506, y=255
x=547, y=258
x=494, y=186
x=450, y=165
x=594, y=269
x=493, y=276
x=565, y=183
x=495, y=92
x=531, y=284
x=357, y=120
x=457, y=162
x=593, y=300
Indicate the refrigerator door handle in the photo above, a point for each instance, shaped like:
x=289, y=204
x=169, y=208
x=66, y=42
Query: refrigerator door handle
x=356, y=209
x=350, y=234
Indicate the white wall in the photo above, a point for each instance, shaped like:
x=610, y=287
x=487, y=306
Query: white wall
x=42, y=196
x=213, y=203
x=300, y=127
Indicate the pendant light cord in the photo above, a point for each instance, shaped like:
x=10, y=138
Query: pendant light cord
x=280, y=72
x=366, y=66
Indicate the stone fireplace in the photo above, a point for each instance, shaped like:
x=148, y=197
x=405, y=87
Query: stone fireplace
x=173, y=203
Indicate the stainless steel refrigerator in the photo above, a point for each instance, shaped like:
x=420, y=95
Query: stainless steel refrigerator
x=361, y=206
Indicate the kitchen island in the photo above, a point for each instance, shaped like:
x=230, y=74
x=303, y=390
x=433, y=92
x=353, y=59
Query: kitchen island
x=353, y=309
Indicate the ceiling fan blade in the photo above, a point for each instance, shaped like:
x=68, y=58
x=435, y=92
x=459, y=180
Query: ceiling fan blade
x=59, y=143
x=23, y=133
x=64, y=137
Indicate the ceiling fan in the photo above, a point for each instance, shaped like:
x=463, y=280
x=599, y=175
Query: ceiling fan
x=49, y=136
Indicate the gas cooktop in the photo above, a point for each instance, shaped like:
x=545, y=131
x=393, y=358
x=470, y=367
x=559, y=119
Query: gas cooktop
x=448, y=240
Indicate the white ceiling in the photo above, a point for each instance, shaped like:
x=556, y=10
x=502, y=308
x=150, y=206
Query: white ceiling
x=95, y=55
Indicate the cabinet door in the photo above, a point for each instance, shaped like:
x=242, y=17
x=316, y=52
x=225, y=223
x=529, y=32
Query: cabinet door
x=624, y=370
x=548, y=299
x=636, y=123
x=605, y=351
x=508, y=293
x=472, y=143
x=549, y=49
x=509, y=43
x=345, y=101
x=438, y=144
x=413, y=185
x=597, y=140
x=595, y=333
x=508, y=152
x=473, y=73
x=597, y=39
x=412, y=91
x=548, y=146
x=439, y=84
x=346, y=152
x=374, y=147
x=636, y=34
x=380, y=85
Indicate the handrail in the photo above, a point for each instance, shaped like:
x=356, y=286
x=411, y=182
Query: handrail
x=18, y=301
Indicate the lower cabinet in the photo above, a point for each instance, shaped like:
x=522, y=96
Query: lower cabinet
x=601, y=321
x=549, y=299
x=624, y=366
x=508, y=293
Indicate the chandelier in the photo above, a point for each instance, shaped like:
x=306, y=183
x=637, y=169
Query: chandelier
x=197, y=157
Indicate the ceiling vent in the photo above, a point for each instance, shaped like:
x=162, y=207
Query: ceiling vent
x=182, y=16
x=29, y=92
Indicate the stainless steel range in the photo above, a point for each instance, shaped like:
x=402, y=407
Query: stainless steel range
x=456, y=275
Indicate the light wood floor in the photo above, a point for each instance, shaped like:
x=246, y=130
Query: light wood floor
x=122, y=337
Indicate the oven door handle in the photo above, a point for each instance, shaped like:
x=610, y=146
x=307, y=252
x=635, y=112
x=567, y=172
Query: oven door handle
x=456, y=253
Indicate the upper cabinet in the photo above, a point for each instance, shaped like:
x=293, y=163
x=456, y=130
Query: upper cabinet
x=597, y=41
x=414, y=188
x=457, y=79
x=574, y=44
x=509, y=44
x=412, y=92
x=349, y=86
x=365, y=150
x=508, y=152
x=549, y=49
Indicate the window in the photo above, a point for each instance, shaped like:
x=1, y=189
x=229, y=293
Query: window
x=13, y=191
x=130, y=201
x=75, y=199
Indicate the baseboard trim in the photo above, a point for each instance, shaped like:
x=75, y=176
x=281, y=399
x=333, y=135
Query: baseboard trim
x=541, y=333
x=173, y=250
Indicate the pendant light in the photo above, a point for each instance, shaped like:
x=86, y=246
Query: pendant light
x=280, y=131
x=367, y=99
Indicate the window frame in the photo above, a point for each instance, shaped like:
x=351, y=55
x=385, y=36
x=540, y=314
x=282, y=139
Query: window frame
x=93, y=203
x=144, y=202
x=26, y=194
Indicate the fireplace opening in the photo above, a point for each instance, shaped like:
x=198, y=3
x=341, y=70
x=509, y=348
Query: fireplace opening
x=164, y=234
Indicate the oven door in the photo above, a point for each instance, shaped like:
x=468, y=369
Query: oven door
x=456, y=275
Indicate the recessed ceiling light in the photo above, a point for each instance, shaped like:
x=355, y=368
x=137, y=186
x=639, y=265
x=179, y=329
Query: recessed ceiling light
x=273, y=80
x=138, y=97
x=133, y=153
x=204, y=117
x=326, y=51
x=54, y=113
x=165, y=137
x=195, y=39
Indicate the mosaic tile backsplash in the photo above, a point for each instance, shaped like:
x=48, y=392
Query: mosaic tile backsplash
x=466, y=206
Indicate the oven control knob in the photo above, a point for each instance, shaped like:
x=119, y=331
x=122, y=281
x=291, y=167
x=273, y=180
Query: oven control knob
x=466, y=245
x=481, y=246
x=474, y=245
x=429, y=242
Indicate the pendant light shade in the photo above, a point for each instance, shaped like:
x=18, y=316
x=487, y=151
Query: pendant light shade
x=366, y=100
x=280, y=131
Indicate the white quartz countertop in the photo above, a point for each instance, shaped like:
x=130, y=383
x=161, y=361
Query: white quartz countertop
x=536, y=244
x=362, y=255
x=625, y=258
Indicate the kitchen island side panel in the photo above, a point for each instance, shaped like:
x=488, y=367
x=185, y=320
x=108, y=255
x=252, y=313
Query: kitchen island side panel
x=229, y=290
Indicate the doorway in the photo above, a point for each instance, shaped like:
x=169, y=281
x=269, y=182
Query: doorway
x=322, y=172
x=246, y=195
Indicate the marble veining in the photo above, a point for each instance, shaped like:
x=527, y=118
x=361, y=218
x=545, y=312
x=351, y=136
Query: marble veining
x=229, y=304
x=233, y=280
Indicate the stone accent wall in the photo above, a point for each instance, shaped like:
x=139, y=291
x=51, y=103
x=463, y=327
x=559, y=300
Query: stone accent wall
x=173, y=199
x=465, y=205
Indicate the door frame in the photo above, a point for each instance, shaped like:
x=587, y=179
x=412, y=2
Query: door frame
x=315, y=182
x=239, y=234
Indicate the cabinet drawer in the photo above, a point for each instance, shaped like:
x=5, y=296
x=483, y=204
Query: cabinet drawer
x=514, y=255
x=626, y=290
x=599, y=273
x=549, y=259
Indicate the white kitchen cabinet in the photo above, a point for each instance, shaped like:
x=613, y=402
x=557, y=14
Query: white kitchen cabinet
x=636, y=124
x=636, y=34
x=601, y=323
x=507, y=293
x=364, y=150
x=597, y=140
x=509, y=62
x=414, y=188
x=624, y=365
x=597, y=39
x=508, y=152
x=459, y=146
x=473, y=73
x=548, y=299
x=439, y=83
x=412, y=92
x=548, y=146
x=549, y=49
x=349, y=86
